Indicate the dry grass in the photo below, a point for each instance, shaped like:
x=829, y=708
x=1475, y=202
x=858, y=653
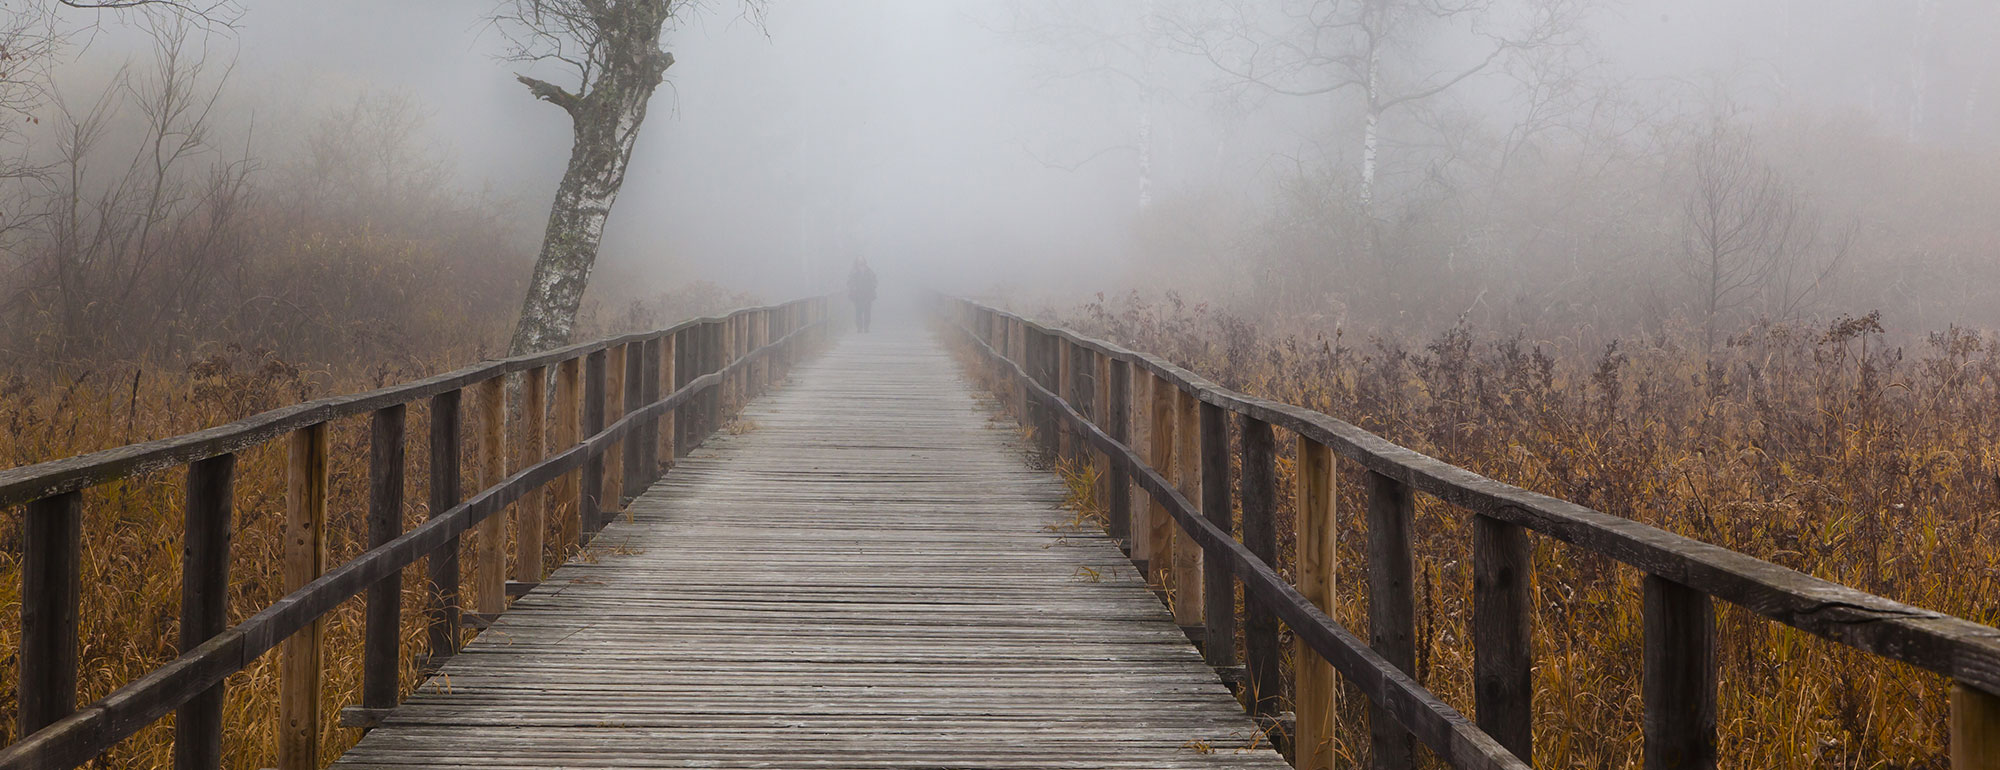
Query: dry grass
x=1826, y=450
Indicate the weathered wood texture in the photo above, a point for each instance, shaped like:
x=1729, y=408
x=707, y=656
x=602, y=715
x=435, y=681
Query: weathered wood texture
x=1313, y=509
x=871, y=577
x=300, y=669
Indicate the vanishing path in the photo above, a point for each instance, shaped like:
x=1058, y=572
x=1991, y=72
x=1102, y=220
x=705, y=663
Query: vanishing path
x=865, y=573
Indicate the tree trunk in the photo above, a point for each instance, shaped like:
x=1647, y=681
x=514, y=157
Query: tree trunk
x=606, y=123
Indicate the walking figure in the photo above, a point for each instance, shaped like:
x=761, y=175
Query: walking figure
x=861, y=290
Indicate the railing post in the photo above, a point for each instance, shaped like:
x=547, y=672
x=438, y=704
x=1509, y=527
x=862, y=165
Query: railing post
x=381, y=636
x=531, y=525
x=442, y=565
x=1502, y=634
x=1391, y=606
x=490, y=543
x=1065, y=388
x=649, y=394
x=663, y=453
x=1100, y=400
x=1189, y=582
x=1160, y=455
x=1680, y=677
x=300, y=672
x=1219, y=591
x=569, y=418
x=51, y=585
x=1975, y=728
x=685, y=357
x=1119, y=511
x=634, y=462
x=1313, y=512
x=616, y=396
x=590, y=495
x=1260, y=535
x=204, y=601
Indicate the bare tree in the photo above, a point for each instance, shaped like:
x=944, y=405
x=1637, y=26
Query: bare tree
x=1751, y=238
x=1373, y=49
x=612, y=48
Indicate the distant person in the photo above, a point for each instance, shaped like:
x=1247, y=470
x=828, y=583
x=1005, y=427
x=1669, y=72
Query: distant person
x=861, y=290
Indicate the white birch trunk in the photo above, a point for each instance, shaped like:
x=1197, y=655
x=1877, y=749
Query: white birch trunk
x=605, y=120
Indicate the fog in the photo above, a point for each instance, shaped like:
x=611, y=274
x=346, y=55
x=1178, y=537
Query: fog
x=1056, y=149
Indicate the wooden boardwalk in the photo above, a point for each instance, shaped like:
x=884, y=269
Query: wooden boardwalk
x=864, y=574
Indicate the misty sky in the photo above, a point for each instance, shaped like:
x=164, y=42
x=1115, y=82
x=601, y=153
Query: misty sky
x=915, y=132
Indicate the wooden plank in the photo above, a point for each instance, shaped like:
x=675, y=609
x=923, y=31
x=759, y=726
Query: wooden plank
x=442, y=566
x=300, y=666
x=568, y=431
x=1392, y=614
x=1316, y=566
x=1680, y=677
x=381, y=664
x=531, y=514
x=1188, y=579
x=489, y=567
x=51, y=559
x=1503, y=634
x=209, y=519
x=1975, y=729
x=872, y=577
x=1260, y=536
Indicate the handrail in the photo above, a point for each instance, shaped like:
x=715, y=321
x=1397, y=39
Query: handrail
x=74, y=738
x=33, y=482
x=1683, y=573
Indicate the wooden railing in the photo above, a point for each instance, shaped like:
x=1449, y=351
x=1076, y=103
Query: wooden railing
x=1075, y=391
x=705, y=363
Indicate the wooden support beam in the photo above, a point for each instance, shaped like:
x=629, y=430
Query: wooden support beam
x=1313, y=514
x=1975, y=728
x=442, y=566
x=1260, y=536
x=590, y=490
x=615, y=370
x=568, y=427
x=210, y=519
x=51, y=583
x=1159, y=525
x=381, y=665
x=1119, y=403
x=665, y=441
x=633, y=462
x=1187, y=570
x=1680, y=677
x=531, y=514
x=1219, y=589
x=489, y=566
x=1392, y=614
x=300, y=668
x=1503, y=634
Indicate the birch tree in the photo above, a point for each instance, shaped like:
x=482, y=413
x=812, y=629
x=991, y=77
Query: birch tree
x=610, y=52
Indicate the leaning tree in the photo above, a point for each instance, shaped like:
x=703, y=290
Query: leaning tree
x=610, y=50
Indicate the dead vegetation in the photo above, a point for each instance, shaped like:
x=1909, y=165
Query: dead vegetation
x=1829, y=449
